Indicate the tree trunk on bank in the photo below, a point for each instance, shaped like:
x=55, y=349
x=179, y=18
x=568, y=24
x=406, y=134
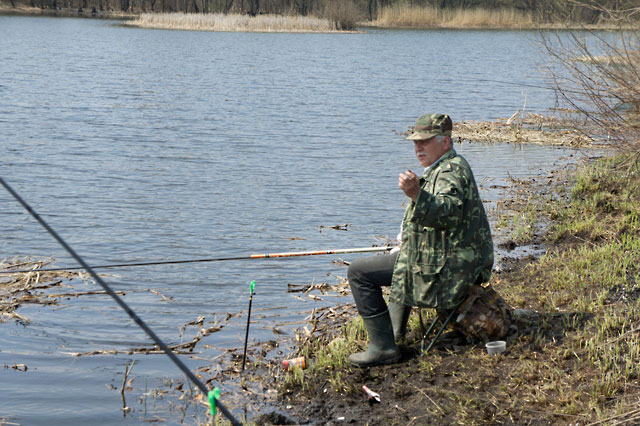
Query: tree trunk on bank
x=373, y=9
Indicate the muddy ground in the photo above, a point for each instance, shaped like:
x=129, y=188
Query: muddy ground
x=457, y=375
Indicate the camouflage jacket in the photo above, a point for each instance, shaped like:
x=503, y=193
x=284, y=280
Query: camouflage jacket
x=446, y=239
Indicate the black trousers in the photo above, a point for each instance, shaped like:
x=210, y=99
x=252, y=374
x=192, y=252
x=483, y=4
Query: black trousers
x=366, y=277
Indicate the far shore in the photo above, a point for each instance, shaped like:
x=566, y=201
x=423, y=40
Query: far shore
x=64, y=12
x=546, y=26
x=131, y=19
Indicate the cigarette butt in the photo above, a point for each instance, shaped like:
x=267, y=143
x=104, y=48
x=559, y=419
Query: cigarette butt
x=371, y=394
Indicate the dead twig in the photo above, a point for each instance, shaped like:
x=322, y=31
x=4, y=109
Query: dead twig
x=336, y=227
x=127, y=369
x=182, y=348
x=165, y=298
x=83, y=293
x=423, y=393
x=608, y=419
x=614, y=340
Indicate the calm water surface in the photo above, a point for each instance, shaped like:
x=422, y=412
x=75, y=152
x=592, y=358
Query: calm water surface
x=142, y=145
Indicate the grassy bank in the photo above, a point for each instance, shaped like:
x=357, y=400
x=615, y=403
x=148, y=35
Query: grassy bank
x=221, y=22
x=576, y=357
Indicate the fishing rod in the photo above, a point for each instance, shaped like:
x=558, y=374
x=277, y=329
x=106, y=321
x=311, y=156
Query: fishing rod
x=212, y=395
x=215, y=259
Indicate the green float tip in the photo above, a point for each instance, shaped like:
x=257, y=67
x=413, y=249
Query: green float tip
x=213, y=395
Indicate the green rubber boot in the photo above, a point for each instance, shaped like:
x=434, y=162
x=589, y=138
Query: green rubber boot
x=382, y=348
x=399, y=317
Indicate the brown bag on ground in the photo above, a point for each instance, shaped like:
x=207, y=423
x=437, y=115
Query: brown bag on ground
x=485, y=315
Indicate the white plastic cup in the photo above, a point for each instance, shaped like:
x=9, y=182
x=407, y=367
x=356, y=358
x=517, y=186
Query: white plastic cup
x=497, y=347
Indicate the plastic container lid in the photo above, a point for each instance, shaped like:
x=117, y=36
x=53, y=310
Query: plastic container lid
x=497, y=347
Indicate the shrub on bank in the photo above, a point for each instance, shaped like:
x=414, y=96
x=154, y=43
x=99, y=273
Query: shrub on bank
x=343, y=13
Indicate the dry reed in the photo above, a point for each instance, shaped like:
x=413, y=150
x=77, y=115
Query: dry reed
x=531, y=129
x=432, y=17
x=232, y=22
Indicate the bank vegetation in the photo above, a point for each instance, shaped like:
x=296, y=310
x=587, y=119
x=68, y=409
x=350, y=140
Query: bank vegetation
x=596, y=77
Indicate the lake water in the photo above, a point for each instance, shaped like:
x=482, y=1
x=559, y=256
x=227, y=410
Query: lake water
x=144, y=145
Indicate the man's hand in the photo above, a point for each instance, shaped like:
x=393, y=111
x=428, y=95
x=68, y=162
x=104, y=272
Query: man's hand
x=409, y=182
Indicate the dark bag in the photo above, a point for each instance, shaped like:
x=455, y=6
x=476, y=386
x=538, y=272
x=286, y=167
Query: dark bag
x=485, y=315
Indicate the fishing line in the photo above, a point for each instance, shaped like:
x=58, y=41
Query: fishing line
x=213, y=399
x=511, y=83
x=215, y=259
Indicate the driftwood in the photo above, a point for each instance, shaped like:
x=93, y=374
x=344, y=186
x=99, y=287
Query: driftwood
x=28, y=287
x=181, y=348
x=336, y=227
x=342, y=288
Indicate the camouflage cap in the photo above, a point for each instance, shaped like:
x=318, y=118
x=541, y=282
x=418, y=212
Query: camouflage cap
x=430, y=125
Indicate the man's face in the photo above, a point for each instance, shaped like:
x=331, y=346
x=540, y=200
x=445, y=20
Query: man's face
x=429, y=150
